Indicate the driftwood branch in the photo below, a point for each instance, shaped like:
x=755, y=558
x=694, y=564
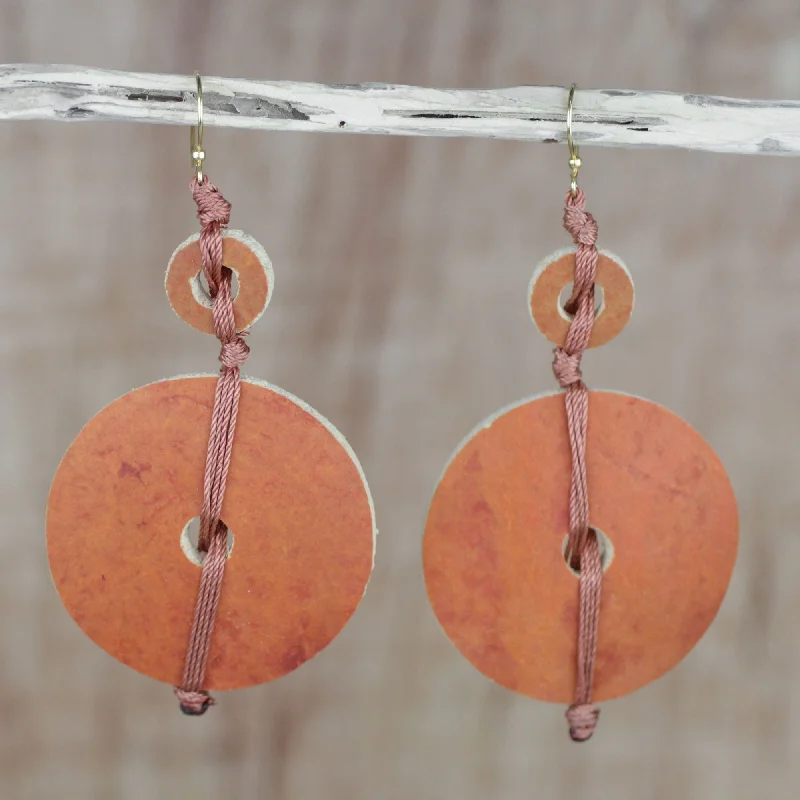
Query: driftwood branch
x=607, y=117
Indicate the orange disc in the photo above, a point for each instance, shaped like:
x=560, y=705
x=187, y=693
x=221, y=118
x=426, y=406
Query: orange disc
x=556, y=272
x=241, y=253
x=296, y=503
x=494, y=567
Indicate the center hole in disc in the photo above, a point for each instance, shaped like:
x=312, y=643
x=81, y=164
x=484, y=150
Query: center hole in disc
x=604, y=545
x=189, y=538
x=202, y=293
x=566, y=293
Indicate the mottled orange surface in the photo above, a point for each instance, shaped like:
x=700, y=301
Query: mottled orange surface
x=250, y=301
x=493, y=560
x=295, y=502
x=618, y=296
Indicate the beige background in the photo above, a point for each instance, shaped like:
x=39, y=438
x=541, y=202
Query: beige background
x=400, y=313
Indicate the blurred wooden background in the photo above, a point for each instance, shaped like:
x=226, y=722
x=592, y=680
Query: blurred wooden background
x=402, y=268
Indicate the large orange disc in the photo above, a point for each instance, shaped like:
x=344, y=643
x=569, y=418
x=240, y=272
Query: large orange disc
x=296, y=503
x=496, y=576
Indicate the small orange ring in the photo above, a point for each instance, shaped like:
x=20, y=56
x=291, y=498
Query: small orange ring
x=556, y=272
x=240, y=253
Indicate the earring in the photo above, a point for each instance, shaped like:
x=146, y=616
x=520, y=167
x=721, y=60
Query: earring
x=286, y=522
x=579, y=543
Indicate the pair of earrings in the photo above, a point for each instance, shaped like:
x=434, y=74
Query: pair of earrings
x=519, y=558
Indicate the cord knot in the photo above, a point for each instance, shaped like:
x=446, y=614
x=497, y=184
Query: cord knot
x=193, y=704
x=582, y=718
x=579, y=222
x=567, y=367
x=211, y=205
x=235, y=352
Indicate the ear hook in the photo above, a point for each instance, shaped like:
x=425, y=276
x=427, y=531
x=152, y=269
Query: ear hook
x=196, y=133
x=574, y=153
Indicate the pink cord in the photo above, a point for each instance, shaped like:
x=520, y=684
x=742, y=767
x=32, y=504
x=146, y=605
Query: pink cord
x=213, y=211
x=582, y=547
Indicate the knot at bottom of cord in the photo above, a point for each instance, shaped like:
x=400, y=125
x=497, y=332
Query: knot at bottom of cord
x=235, y=352
x=193, y=704
x=567, y=368
x=582, y=718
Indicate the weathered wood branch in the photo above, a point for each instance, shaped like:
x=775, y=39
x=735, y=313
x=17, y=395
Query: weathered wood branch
x=609, y=117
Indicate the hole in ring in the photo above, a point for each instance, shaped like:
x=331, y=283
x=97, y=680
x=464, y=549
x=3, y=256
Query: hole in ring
x=189, y=536
x=201, y=293
x=566, y=293
x=604, y=545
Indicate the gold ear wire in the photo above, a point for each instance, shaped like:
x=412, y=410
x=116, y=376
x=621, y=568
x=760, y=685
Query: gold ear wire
x=196, y=133
x=574, y=153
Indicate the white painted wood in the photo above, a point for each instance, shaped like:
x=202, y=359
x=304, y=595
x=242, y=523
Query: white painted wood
x=607, y=117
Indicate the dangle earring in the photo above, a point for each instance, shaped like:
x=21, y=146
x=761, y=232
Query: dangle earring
x=286, y=522
x=580, y=543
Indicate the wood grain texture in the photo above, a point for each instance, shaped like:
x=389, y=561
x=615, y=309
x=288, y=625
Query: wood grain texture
x=401, y=313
